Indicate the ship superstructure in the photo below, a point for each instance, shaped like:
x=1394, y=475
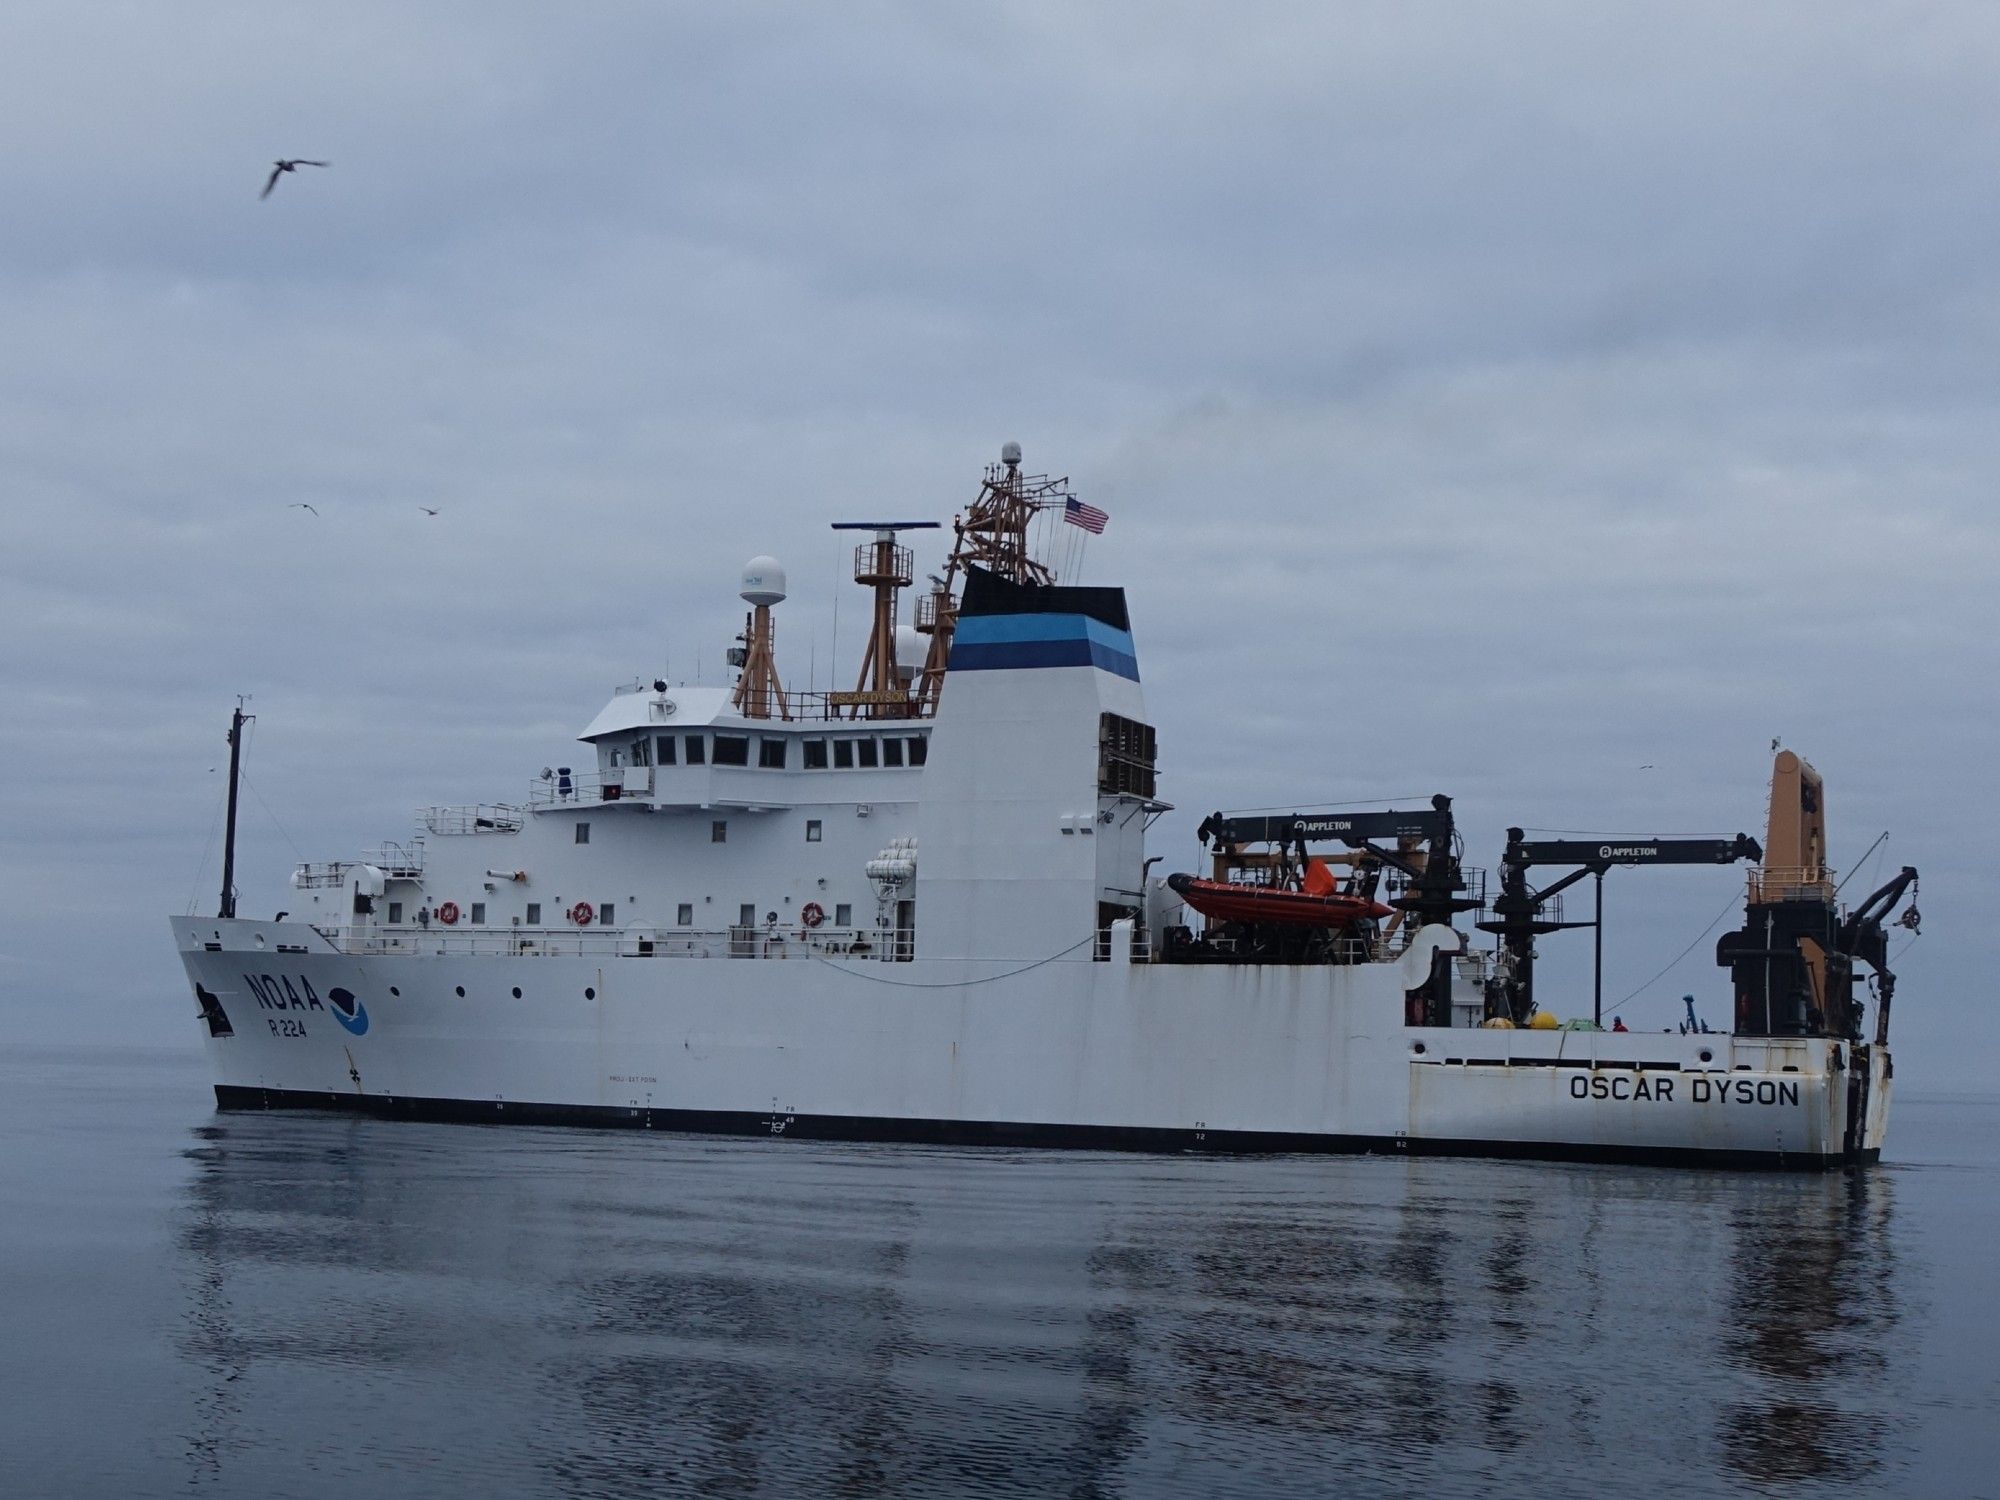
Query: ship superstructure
x=924, y=909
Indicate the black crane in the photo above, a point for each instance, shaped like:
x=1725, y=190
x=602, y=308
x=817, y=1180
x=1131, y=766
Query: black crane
x=1422, y=845
x=1436, y=879
x=1518, y=910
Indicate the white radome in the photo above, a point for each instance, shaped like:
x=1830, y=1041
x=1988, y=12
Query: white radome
x=911, y=649
x=763, y=581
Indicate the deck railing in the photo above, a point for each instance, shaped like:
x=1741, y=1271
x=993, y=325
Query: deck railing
x=471, y=817
x=398, y=861
x=631, y=942
x=1791, y=883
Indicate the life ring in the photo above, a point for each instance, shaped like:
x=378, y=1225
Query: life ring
x=582, y=914
x=448, y=913
x=813, y=914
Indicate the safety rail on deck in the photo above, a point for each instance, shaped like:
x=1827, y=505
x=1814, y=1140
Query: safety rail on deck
x=1792, y=883
x=395, y=861
x=561, y=788
x=806, y=707
x=629, y=942
x=398, y=861
x=1142, y=944
x=472, y=817
x=1352, y=948
x=1395, y=884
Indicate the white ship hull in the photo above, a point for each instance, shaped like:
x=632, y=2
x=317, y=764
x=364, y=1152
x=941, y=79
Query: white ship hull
x=1071, y=1052
x=924, y=910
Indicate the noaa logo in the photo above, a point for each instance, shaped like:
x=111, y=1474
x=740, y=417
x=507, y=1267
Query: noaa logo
x=349, y=1011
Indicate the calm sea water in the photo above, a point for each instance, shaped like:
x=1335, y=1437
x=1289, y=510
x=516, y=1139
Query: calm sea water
x=290, y=1305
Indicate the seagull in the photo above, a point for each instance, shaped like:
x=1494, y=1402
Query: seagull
x=1647, y=766
x=280, y=167
x=301, y=505
x=427, y=510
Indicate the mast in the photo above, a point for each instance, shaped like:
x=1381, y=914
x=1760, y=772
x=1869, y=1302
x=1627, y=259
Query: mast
x=993, y=534
x=884, y=567
x=236, y=722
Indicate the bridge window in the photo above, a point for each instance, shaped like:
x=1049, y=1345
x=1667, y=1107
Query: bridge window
x=865, y=751
x=664, y=748
x=815, y=753
x=583, y=833
x=718, y=831
x=642, y=751
x=771, y=753
x=892, y=750
x=843, y=755
x=697, y=751
x=920, y=749
x=732, y=749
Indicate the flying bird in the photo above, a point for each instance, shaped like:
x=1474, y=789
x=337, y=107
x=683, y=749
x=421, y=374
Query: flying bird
x=1647, y=766
x=427, y=510
x=301, y=505
x=283, y=165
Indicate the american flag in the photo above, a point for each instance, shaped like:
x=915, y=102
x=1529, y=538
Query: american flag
x=1089, y=517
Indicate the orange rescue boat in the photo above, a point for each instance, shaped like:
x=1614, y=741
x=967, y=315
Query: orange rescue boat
x=1228, y=902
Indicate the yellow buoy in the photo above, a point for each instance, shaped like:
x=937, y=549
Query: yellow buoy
x=1543, y=1021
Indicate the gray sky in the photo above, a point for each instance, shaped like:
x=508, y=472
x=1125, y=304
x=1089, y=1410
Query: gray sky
x=1487, y=399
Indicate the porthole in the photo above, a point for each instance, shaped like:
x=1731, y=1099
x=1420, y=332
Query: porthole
x=1706, y=1055
x=459, y=990
x=1417, y=1048
x=590, y=994
x=517, y=992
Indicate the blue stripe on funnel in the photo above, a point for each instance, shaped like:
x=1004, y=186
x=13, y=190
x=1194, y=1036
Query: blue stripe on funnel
x=1007, y=642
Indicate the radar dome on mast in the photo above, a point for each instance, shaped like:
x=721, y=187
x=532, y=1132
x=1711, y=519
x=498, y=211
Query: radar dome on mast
x=758, y=690
x=1010, y=455
x=763, y=582
x=910, y=648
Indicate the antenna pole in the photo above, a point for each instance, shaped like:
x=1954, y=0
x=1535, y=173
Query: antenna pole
x=236, y=722
x=1597, y=962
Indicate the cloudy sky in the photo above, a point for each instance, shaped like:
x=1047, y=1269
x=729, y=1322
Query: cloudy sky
x=1491, y=399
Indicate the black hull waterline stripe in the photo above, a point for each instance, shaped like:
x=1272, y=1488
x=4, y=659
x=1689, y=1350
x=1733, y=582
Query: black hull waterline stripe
x=1002, y=1133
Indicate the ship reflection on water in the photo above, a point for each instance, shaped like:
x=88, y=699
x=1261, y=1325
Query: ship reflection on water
x=413, y=1308
x=1813, y=1315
